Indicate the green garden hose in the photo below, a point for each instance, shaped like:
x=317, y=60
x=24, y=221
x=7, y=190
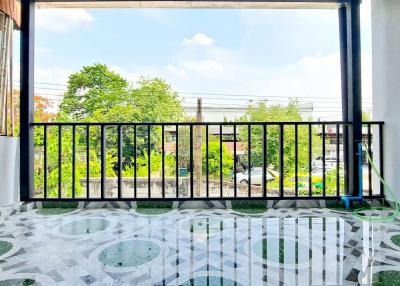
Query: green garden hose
x=393, y=213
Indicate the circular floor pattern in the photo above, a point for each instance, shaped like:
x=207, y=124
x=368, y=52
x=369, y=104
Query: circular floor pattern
x=282, y=251
x=26, y=279
x=386, y=278
x=19, y=282
x=211, y=281
x=8, y=246
x=5, y=246
x=85, y=226
x=129, y=253
x=203, y=226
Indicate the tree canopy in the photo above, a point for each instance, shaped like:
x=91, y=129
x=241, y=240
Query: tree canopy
x=263, y=112
x=97, y=94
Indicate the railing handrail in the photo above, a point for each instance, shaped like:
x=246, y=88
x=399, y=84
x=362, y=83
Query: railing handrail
x=205, y=123
x=208, y=123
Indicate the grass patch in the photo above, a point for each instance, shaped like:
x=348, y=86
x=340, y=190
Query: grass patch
x=339, y=206
x=61, y=205
x=250, y=211
x=249, y=207
x=153, y=208
x=153, y=211
x=54, y=211
x=154, y=205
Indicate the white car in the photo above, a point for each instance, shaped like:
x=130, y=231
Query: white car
x=330, y=162
x=256, y=176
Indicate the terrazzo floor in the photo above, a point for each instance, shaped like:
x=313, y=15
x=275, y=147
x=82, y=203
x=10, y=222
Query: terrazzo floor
x=197, y=247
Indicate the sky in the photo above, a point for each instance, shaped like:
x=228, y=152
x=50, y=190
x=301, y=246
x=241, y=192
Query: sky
x=225, y=56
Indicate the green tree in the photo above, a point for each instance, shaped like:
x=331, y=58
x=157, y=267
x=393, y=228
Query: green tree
x=93, y=89
x=278, y=113
x=214, y=159
x=96, y=94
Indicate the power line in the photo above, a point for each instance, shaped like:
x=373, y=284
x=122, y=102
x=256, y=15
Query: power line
x=247, y=96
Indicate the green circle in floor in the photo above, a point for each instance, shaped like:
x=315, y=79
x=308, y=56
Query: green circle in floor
x=54, y=211
x=85, y=226
x=203, y=225
x=129, y=253
x=153, y=211
x=5, y=246
x=19, y=282
x=211, y=281
x=386, y=278
x=396, y=239
x=278, y=250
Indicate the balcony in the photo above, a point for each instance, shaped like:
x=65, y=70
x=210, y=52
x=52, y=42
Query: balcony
x=204, y=203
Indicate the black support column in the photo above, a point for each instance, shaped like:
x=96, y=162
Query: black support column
x=342, y=13
x=350, y=47
x=26, y=99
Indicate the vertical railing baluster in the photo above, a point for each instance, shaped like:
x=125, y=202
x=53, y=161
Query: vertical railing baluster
x=87, y=161
x=135, y=160
x=207, y=162
x=221, y=174
x=103, y=159
x=45, y=161
x=381, y=169
x=249, y=159
x=281, y=162
x=177, y=160
x=148, y=162
x=234, y=161
x=369, y=163
x=59, y=160
x=264, y=161
x=73, y=160
x=296, y=159
x=162, y=162
x=119, y=161
x=323, y=162
x=309, y=160
x=191, y=159
x=338, y=160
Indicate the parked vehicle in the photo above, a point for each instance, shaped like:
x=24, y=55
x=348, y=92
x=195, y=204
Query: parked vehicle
x=330, y=162
x=256, y=176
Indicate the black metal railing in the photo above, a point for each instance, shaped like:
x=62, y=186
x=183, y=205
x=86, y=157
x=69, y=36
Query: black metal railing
x=193, y=161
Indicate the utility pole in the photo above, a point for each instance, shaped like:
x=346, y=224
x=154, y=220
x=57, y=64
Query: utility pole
x=197, y=149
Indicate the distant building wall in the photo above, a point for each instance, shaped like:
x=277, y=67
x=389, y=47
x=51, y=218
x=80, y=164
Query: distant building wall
x=386, y=82
x=219, y=113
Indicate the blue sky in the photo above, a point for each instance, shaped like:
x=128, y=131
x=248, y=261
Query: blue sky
x=271, y=54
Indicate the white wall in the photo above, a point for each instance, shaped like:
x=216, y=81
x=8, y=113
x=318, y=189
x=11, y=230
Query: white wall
x=386, y=82
x=9, y=170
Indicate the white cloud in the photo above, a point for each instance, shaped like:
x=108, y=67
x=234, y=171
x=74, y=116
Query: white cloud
x=62, y=20
x=199, y=39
